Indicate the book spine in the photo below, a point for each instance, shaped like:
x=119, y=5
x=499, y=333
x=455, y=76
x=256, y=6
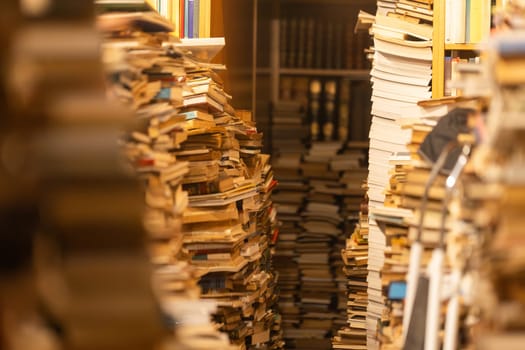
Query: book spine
x=457, y=20
x=292, y=48
x=207, y=18
x=349, y=46
x=196, y=18
x=301, y=42
x=329, y=50
x=191, y=17
x=338, y=45
x=310, y=43
x=468, y=21
x=283, y=42
x=183, y=17
x=319, y=47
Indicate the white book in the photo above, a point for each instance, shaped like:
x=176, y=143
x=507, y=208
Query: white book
x=387, y=93
x=388, y=59
x=378, y=72
x=400, y=69
x=379, y=83
x=455, y=21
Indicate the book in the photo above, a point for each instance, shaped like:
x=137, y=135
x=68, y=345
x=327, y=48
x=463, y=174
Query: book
x=455, y=14
x=205, y=18
x=418, y=30
x=478, y=20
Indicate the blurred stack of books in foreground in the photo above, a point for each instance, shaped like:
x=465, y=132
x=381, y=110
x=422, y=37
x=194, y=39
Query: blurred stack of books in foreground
x=500, y=193
x=207, y=188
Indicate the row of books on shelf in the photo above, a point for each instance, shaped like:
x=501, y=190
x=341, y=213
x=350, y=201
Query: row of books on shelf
x=192, y=18
x=311, y=42
x=329, y=109
x=467, y=21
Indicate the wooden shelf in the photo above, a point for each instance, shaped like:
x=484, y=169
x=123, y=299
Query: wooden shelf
x=462, y=47
x=355, y=74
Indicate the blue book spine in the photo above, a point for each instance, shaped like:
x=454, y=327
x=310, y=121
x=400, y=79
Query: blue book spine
x=190, y=19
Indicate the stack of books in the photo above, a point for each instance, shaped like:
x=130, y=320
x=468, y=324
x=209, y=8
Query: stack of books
x=228, y=227
x=84, y=236
x=322, y=223
x=208, y=193
x=501, y=195
x=289, y=117
x=355, y=258
x=406, y=46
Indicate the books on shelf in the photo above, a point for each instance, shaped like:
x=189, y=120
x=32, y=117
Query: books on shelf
x=319, y=43
x=467, y=21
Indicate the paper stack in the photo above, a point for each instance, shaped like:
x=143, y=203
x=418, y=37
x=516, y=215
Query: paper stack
x=407, y=47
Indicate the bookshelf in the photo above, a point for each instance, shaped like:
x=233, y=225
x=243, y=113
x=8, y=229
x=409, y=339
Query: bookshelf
x=441, y=48
x=289, y=16
x=311, y=39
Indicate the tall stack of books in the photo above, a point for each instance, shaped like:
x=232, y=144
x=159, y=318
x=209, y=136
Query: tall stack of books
x=355, y=258
x=352, y=165
x=289, y=117
x=502, y=213
x=78, y=220
x=229, y=226
x=406, y=46
x=322, y=223
x=208, y=193
x=149, y=80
